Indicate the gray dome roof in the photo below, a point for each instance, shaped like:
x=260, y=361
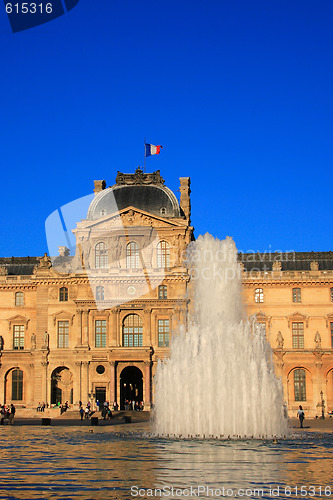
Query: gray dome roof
x=155, y=199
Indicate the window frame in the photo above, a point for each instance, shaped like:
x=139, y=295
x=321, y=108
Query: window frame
x=299, y=384
x=163, y=332
x=297, y=295
x=162, y=292
x=132, y=255
x=99, y=292
x=18, y=337
x=101, y=255
x=17, y=394
x=163, y=255
x=63, y=294
x=297, y=329
x=100, y=333
x=63, y=334
x=19, y=299
x=132, y=331
x=259, y=295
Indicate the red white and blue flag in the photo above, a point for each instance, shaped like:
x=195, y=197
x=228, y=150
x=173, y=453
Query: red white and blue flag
x=150, y=149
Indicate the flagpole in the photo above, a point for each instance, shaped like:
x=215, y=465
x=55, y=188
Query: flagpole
x=144, y=157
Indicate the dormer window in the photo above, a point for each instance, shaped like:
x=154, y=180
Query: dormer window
x=102, y=212
x=163, y=211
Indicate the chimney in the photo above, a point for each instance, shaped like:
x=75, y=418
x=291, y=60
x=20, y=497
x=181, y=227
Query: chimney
x=185, y=200
x=99, y=186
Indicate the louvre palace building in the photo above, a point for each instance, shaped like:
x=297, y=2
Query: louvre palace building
x=91, y=322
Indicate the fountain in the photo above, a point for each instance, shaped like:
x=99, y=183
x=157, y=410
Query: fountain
x=219, y=381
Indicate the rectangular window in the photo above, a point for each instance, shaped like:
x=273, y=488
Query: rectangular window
x=298, y=335
x=162, y=292
x=163, y=333
x=259, y=295
x=18, y=341
x=19, y=298
x=63, y=334
x=296, y=295
x=100, y=333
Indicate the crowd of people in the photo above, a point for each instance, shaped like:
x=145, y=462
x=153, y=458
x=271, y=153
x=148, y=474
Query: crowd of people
x=7, y=413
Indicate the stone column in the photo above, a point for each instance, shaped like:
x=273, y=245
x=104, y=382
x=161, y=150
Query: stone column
x=147, y=327
x=85, y=323
x=113, y=328
x=113, y=389
x=79, y=327
x=77, y=395
x=84, y=382
x=45, y=383
x=118, y=329
x=318, y=382
x=147, y=401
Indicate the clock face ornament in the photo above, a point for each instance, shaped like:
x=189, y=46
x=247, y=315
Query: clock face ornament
x=131, y=290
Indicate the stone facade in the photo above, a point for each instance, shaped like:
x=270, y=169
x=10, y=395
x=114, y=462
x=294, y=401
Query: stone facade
x=92, y=325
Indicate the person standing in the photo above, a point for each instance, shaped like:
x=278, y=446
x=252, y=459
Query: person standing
x=12, y=414
x=300, y=414
x=81, y=412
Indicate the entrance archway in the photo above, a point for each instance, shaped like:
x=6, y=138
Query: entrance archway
x=61, y=386
x=131, y=385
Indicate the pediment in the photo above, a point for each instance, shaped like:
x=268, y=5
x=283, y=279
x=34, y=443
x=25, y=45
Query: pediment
x=329, y=318
x=261, y=317
x=18, y=319
x=298, y=318
x=131, y=216
x=62, y=315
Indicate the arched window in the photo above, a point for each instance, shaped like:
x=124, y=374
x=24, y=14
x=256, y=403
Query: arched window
x=331, y=294
x=101, y=256
x=63, y=294
x=163, y=254
x=19, y=298
x=298, y=335
x=17, y=385
x=300, y=385
x=259, y=295
x=18, y=336
x=132, y=331
x=132, y=255
x=162, y=292
x=99, y=292
x=297, y=295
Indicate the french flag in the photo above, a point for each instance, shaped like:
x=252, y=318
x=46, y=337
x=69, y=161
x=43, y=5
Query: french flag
x=150, y=149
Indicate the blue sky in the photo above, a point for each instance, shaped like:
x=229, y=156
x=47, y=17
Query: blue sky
x=239, y=93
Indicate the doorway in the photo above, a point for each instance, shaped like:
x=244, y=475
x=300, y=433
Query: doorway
x=100, y=395
x=131, y=385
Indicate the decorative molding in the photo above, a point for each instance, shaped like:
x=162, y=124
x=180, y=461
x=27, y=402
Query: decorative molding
x=65, y=315
x=18, y=319
x=297, y=317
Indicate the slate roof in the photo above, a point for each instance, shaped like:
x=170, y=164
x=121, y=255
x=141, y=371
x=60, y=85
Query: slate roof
x=19, y=266
x=290, y=261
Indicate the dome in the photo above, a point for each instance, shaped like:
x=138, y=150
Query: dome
x=139, y=190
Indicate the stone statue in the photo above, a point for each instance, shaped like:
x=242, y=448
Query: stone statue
x=317, y=340
x=33, y=341
x=46, y=340
x=45, y=262
x=280, y=340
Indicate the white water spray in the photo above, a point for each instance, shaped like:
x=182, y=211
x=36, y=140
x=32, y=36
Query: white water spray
x=219, y=380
